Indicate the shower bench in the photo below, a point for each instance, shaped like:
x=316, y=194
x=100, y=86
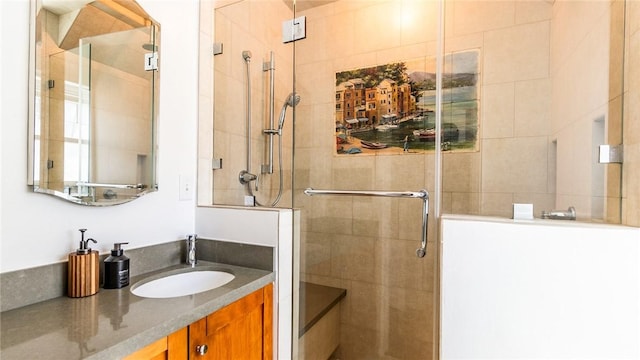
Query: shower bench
x=319, y=334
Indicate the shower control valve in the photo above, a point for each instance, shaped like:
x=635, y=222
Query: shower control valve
x=246, y=177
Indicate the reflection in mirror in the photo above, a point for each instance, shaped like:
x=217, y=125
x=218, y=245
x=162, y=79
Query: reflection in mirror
x=95, y=91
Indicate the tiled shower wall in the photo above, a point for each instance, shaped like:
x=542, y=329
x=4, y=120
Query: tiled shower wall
x=552, y=84
x=514, y=164
x=533, y=148
x=586, y=71
x=631, y=125
x=253, y=26
x=110, y=121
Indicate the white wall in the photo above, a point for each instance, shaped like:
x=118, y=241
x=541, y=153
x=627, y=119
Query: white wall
x=39, y=229
x=265, y=227
x=543, y=289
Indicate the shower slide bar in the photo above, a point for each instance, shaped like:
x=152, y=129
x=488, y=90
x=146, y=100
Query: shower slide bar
x=270, y=67
x=422, y=194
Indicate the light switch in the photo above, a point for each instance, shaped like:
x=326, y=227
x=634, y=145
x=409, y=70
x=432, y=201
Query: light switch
x=186, y=188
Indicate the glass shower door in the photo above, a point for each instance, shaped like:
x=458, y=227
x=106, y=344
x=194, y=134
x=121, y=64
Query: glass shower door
x=543, y=107
x=366, y=72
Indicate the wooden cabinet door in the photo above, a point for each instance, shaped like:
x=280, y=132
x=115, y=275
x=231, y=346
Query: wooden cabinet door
x=241, y=330
x=172, y=347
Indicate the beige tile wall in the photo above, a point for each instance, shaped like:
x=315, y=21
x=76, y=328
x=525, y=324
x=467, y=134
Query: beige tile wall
x=514, y=163
x=366, y=245
x=52, y=129
x=121, y=118
x=545, y=80
x=631, y=167
x=254, y=26
x=580, y=74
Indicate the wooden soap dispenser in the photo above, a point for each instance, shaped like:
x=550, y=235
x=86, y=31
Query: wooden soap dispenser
x=84, y=270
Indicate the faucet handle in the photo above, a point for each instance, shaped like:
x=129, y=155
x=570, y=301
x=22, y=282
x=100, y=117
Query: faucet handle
x=191, y=249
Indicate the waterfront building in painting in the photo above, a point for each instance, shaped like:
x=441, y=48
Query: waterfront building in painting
x=358, y=106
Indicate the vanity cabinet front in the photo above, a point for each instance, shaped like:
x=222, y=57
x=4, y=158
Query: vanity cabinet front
x=172, y=347
x=240, y=330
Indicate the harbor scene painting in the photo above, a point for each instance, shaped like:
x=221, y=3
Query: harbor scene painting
x=390, y=109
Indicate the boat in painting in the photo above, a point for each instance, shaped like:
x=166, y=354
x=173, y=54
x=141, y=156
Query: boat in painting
x=386, y=127
x=372, y=145
x=449, y=133
x=425, y=134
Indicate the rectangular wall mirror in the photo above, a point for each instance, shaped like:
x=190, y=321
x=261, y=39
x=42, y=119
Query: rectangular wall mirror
x=94, y=100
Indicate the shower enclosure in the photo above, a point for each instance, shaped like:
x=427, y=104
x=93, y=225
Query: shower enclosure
x=483, y=104
x=352, y=69
x=253, y=75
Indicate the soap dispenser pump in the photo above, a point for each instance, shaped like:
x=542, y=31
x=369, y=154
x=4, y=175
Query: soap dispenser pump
x=84, y=270
x=116, y=268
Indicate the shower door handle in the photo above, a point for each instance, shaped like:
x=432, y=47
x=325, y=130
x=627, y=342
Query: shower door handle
x=422, y=194
x=422, y=250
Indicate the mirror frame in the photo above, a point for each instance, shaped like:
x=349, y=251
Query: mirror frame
x=141, y=189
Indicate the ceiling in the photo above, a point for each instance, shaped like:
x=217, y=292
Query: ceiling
x=302, y=5
x=60, y=7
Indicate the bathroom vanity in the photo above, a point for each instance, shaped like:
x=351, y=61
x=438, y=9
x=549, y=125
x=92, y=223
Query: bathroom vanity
x=240, y=330
x=117, y=324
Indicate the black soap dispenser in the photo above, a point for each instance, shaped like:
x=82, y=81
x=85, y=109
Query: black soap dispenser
x=116, y=268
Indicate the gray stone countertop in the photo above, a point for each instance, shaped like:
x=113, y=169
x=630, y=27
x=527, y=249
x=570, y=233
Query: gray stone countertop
x=115, y=323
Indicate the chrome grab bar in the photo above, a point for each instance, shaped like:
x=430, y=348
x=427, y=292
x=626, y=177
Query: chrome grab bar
x=117, y=186
x=422, y=194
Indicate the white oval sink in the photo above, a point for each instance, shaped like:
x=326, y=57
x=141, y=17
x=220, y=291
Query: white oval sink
x=182, y=284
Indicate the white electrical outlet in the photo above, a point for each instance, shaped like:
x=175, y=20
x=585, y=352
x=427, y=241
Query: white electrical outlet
x=249, y=200
x=186, y=187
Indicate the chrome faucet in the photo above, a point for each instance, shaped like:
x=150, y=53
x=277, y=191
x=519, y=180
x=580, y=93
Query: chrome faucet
x=191, y=250
x=569, y=214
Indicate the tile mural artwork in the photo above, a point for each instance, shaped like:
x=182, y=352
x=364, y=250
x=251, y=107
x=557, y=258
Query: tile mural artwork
x=390, y=109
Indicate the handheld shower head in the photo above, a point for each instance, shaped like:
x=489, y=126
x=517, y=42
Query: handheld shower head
x=292, y=100
x=246, y=55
